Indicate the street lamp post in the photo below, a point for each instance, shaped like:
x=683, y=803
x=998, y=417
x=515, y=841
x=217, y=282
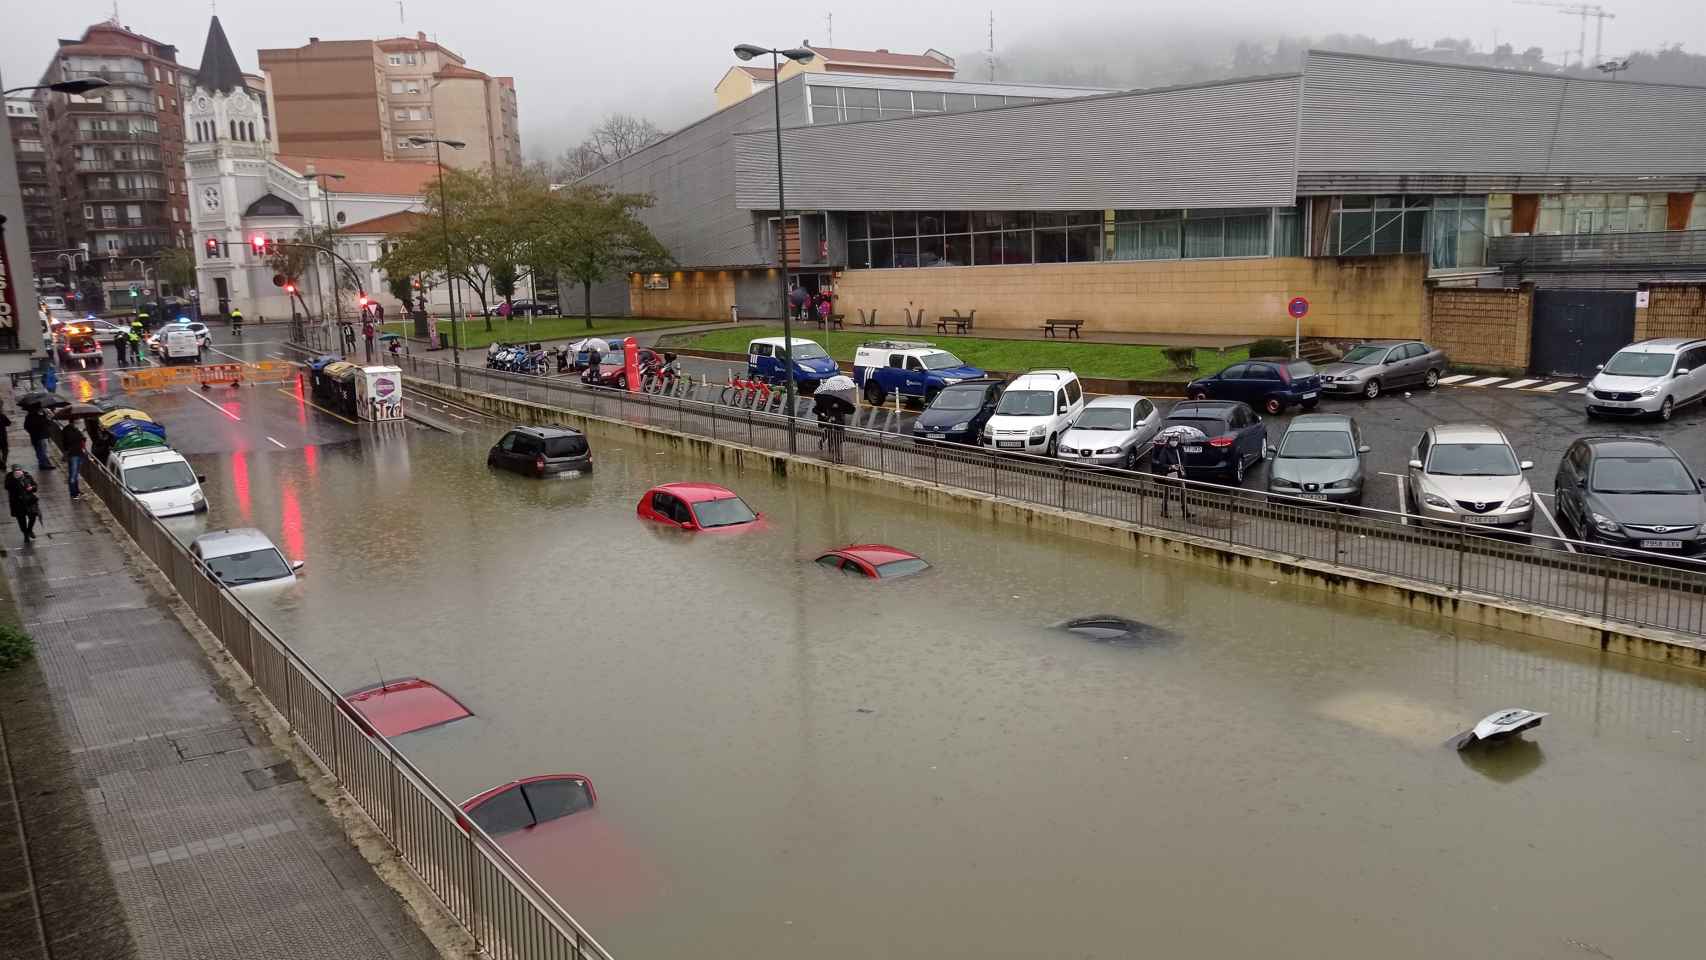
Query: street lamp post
x=747, y=51
x=326, y=197
x=444, y=217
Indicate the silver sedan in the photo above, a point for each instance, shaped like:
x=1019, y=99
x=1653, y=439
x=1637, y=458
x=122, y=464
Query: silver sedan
x=1111, y=432
x=1368, y=369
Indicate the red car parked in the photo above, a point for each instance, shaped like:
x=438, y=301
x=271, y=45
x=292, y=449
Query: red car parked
x=396, y=707
x=874, y=561
x=697, y=506
x=613, y=368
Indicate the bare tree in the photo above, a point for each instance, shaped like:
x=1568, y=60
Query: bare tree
x=615, y=137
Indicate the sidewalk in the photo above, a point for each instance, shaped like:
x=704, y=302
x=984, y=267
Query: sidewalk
x=214, y=848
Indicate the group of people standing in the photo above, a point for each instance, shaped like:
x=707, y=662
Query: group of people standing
x=810, y=305
x=128, y=345
x=22, y=493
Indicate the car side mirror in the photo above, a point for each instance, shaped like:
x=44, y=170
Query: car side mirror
x=1271, y=450
x=1060, y=409
x=1527, y=464
x=1599, y=366
x=1681, y=370
x=201, y=478
x=686, y=524
x=1365, y=448
x=296, y=565
x=1415, y=464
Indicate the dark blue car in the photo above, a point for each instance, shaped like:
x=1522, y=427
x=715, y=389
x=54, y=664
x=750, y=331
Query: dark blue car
x=958, y=413
x=1233, y=438
x=1269, y=384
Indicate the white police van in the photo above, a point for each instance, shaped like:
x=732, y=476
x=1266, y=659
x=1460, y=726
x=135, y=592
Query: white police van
x=911, y=368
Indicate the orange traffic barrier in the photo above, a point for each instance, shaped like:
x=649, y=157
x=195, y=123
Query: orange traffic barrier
x=209, y=374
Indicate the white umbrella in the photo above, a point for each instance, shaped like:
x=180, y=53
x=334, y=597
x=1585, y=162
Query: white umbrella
x=590, y=343
x=1183, y=432
x=839, y=386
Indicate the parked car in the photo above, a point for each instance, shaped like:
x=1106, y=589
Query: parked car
x=243, y=559
x=873, y=561
x=161, y=478
x=697, y=506
x=395, y=707
x=613, y=368
x=1034, y=411
x=533, y=308
x=530, y=802
x=1368, y=369
x=1650, y=377
x=1631, y=492
x=959, y=411
x=1111, y=432
x=1469, y=473
x=106, y=331
x=542, y=452
x=1319, y=458
x=767, y=359
x=1269, y=384
x=913, y=369
x=1234, y=438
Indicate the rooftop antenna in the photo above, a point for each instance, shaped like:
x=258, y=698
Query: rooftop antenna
x=828, y=28
x=989, y=59
x=400, y=13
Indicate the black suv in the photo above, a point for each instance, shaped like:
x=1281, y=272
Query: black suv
x=542, y=451
x=1631, y=492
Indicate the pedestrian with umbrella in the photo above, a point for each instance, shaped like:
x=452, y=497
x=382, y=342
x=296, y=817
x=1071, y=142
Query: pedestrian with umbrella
x=36, y=426
x=21, y=498
x=832, y=404
x=1169, y=455
x=76, y=446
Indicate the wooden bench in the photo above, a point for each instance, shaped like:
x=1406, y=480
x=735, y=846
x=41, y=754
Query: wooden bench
x=835, y=321
x=1052, y=328
x=959, y=323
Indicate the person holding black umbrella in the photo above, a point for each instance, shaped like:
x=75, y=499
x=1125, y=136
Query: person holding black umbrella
x=21, y=498
x=37, y=426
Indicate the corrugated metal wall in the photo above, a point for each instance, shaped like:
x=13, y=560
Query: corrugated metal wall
x=691, y=174
x=1227, y=145
x=1370, y=124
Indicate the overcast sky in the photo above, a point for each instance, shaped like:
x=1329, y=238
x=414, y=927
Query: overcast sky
x=574, y=62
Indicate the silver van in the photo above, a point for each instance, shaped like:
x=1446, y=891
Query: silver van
x=1649, y=378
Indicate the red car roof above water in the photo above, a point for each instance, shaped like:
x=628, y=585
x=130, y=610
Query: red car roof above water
x=876, y=554
x=696, y=492
x=396, y=707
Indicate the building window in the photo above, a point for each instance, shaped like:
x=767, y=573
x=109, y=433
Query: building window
x=1459, y=232
x=1601, y=213
x=1367, y=225
x=174, y=214
x=395, y=60
x=1210, y=233
x=399, y=114
x=88, y=212
x=396, y=86
x=957, y=238
x=29, y=146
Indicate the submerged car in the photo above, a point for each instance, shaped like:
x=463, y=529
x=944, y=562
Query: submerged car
x=1470, y=474
x=243, y=558
x=1111, y=432
x=530, y=802
x=1319, y=458
x=958, y=413
x=697, y=506
x=160, y=478
x=1631, y=492
x=542, y=452
x=874, y=561
x=396, y=707
x=1368, y=369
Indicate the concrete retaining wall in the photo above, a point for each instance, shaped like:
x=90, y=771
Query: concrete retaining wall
x=1645, y=644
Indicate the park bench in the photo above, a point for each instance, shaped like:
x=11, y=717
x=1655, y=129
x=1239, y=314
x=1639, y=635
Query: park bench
x=835, y=321
x=1052, y=328
x=959, y=323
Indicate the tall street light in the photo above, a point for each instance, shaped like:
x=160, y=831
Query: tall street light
x=326, y=197
x=747, y=51
x=81, y=85
x=444, y=217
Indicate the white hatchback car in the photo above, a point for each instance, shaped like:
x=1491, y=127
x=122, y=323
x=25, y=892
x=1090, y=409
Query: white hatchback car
x=243, y=559
x=1034, y=412
x=161, y=478
x=1652, y=377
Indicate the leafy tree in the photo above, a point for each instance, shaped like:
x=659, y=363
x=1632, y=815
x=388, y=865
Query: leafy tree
x=402, y=287
x=592, y=233
x=177, y=267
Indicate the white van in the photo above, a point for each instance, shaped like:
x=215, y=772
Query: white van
x=161, y=478
x=1652, y=377
x=1034, y=411
x=179, y=343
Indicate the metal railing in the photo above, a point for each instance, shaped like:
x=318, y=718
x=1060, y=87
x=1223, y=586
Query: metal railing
x=509, y=915
x=1609, y=584
x=1682, y=247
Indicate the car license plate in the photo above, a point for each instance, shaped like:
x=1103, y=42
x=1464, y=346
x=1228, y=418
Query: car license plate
x=1010, y=444
x=1312, y=496
x=1194, y=448
x=936, y=436
x=1472, y=518
x=1661, y=544
x=1310, y=395
x=569, y=474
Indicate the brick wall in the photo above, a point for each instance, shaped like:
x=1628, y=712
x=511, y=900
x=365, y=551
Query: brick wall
x=1672, y=310
x=1482, y=327
x=1348, y=298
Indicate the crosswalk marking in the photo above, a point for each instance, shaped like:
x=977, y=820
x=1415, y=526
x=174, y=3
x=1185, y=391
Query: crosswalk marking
x=1456, y=378
x=1518, y=384
x=1484, y=382
x=1580, y=390
x=1555, y=387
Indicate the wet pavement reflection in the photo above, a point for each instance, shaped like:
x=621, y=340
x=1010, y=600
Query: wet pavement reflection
x=792, y=763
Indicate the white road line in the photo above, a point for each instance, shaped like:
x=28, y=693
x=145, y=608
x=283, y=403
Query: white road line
x=1555, y=387
x=1518, y=384
x=224, y=354
x=1403, y=501
x=1580, y=390
x=1549, y=519
x=1456, y=378
x=278, y=445
x=1484, y=382
x=196, y=394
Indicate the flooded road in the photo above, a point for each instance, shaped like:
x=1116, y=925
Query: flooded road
x=793, y=764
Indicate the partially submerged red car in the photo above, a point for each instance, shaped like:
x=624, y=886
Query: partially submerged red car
x=530, y=802
x=874, y=561
x=396, y=707
x=697, y=506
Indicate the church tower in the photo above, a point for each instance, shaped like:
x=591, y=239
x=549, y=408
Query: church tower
x=226, y=160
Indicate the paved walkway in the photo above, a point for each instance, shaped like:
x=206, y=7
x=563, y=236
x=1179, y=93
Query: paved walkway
x=209, y=857
x=895, y=331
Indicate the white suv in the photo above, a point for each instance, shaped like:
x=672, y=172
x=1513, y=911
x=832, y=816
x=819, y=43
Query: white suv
x=1034, y=411
x=1650, y=377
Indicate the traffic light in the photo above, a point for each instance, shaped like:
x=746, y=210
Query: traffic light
x=133, y=291
x=289, y=289
x=362, y=302
x=261, y=245
x=212, y=248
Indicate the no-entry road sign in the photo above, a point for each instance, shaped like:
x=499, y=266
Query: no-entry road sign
x=1297, y=307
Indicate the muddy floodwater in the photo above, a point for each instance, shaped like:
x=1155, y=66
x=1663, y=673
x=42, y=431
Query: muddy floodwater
x=791, y=764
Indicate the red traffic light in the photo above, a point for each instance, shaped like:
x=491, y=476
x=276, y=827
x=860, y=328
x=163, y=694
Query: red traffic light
x=259, y=243
x=289, y=288
x=212, y=247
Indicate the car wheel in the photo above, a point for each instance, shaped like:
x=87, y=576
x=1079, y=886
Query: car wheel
x=873, y=393
x=1667, y=408
x=1053, y=445
x=1199, y=394
x=1311, y=404
x=1371, y=389
x=1238, y=471
x=1431, y=380
x=1130, y=460
x=1274, y=406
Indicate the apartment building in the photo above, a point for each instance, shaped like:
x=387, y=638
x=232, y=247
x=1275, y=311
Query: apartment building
x=366, y=98
x=35, y=184
x=744, y=80
x=115, y=156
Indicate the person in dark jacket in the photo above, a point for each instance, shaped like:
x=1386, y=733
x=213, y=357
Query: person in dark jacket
x=76, y=451
x=37, y=426
x=5, y=439
x=21, y=497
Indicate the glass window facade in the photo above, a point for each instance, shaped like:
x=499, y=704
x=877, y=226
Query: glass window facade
x=1451, y=230
x=1572, y=213
x=842, y=104
x=905, y=238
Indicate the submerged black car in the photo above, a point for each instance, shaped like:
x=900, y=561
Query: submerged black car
x=542, y=452
x=959, y=411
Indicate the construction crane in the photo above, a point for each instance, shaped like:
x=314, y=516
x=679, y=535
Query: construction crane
x=1583, y=10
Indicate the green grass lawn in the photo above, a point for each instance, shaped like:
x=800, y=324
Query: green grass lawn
x=546, y=329
x=1114, y=361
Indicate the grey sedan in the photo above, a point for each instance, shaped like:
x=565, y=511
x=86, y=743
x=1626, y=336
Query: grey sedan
x=1369, y=368
x=1319, y=458
x=1111, y=432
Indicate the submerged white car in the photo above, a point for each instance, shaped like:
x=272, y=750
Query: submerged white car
x=243, y=558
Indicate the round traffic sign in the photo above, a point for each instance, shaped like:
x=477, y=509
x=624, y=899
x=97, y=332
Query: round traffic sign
x=1297, y=307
